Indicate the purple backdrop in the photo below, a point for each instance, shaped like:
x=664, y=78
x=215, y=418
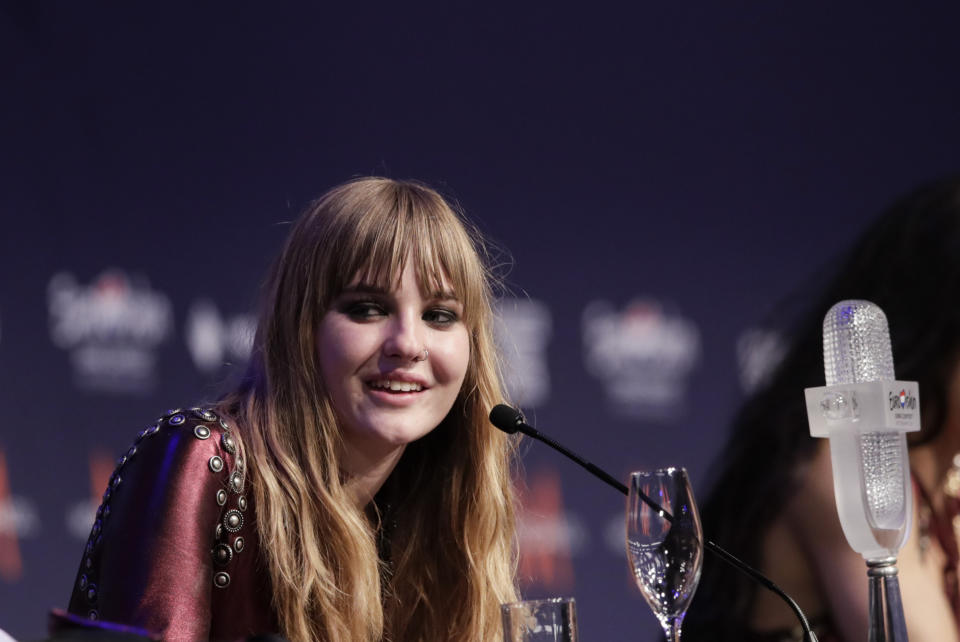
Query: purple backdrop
x=660, y=177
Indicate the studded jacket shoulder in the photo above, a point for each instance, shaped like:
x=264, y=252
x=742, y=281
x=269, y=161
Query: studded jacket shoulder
x=174, y=548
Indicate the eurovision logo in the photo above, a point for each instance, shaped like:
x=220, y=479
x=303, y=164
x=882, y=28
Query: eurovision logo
x=643, y=354
x=214, y=340
x=523, y=331
x=111, y=329
x=902, y=400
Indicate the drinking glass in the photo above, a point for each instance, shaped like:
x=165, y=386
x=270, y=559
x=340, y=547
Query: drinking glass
x=550, y=620
x=664, y=543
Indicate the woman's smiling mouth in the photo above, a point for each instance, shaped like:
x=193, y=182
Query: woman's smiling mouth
x=395, y=386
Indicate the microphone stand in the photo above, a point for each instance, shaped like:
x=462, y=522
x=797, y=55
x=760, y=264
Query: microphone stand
x=512, y=422
x=887, y=623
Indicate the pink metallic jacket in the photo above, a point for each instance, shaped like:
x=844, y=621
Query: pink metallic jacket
x=174, y=549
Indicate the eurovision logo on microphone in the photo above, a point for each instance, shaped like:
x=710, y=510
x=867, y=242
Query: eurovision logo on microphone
x=902, y=400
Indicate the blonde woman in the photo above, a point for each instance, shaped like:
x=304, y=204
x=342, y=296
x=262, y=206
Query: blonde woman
x=351, y=487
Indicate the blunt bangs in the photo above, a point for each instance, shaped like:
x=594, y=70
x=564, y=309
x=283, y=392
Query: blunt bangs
x=396, y=221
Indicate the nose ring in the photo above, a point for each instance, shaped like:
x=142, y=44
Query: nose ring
x=422, y=355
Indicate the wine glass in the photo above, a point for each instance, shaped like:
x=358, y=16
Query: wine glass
x=550, y=620
x=664, y=543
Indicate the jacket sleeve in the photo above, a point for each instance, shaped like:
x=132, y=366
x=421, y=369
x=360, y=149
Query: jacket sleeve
x=149, y=561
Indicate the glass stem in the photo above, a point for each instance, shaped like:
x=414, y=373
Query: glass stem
x=672, y=628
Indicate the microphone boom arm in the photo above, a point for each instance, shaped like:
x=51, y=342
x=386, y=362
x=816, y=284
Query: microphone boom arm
x=512, y=422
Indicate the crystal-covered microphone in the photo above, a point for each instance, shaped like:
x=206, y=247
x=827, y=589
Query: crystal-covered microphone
x=866, y=414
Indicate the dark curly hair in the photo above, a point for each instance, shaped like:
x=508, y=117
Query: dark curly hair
x=908, y=263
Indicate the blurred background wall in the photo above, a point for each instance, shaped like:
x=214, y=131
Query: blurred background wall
x=664, y=183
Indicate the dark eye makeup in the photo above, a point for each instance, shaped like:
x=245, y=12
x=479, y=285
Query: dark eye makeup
x=441, y=316
x=363, y=310
x=368, y=308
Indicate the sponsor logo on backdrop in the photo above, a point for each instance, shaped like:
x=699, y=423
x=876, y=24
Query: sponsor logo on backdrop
x=19, y=517
x=80, y=517
x=643, y=355
x=548, y=536
x=111, y=329
x=214, y=340
x=759, y=352
x=81, y=513
x=615, y=534
x=523, y=331
x=18, y=520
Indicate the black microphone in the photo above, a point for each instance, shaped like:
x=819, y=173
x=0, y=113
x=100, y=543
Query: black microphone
x=511, y=421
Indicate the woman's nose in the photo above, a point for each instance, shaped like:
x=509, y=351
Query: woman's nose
x=404, y=340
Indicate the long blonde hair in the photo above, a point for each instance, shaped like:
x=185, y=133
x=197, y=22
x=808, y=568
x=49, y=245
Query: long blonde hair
x=447, y=560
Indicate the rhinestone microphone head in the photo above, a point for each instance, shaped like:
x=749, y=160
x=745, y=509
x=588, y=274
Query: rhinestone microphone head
x=856, y=349
x=856, y=344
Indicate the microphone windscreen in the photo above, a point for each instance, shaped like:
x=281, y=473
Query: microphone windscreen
x=856, y=344
x=856, y=349
x=506, y=418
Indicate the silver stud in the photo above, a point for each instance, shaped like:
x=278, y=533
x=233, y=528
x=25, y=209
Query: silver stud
x=216, y=464
x=97, y=525
x=83, y=582
x=176, y=420
x=233, y=520
x=131, y=452
x=218, y=533
x=106, y=511
x=207, y=415
x=106, y=495
x=115, y=480
x=224, y=424
x=222, y=554
x=100, y=511
x=88, y=562
x=228, y=443
x=92, y=593
x=201, y=431
x=221, y=497
x=221, y=580
x=242, y=503
x=238, y=544
x=236, y=481
x=121, y=461
x=241, y=464
x=93, y=615
x=152, y=430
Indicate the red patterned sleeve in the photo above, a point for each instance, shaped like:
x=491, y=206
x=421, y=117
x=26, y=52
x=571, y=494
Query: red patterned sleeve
x=150, y=559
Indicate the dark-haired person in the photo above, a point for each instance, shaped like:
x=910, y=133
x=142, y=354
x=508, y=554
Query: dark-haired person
x=351, y=488
x=773, y=502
